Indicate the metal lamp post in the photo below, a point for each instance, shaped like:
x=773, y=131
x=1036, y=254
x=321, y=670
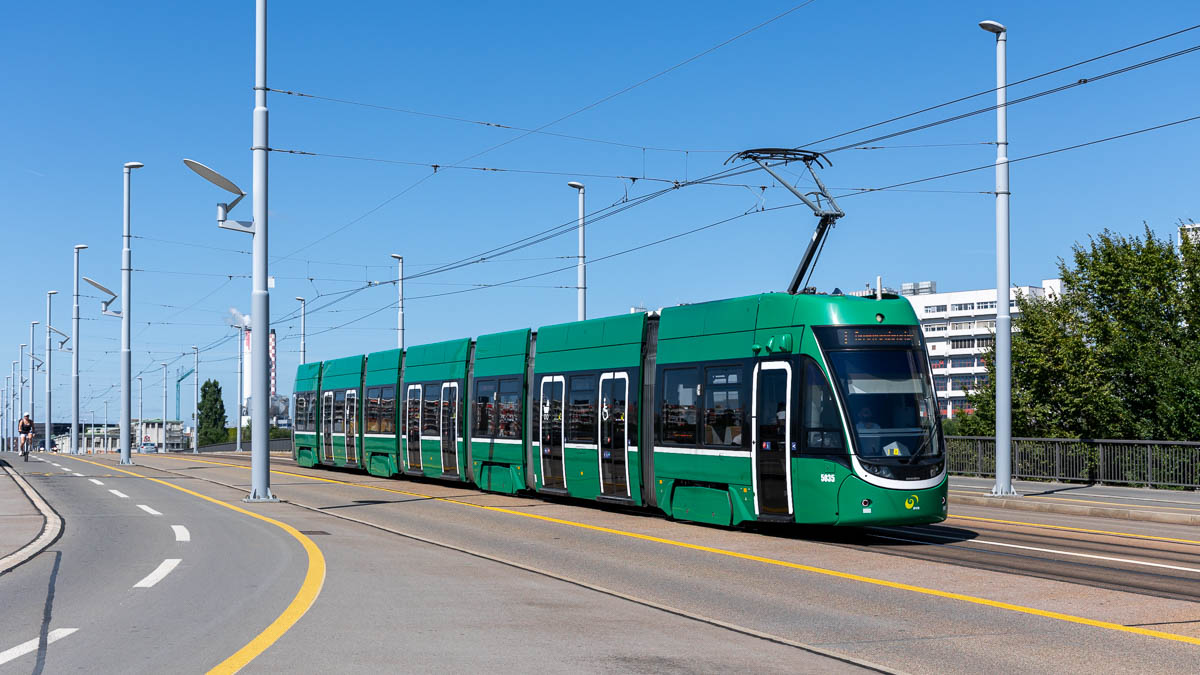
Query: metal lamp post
x=196, y=401
x=32, y=375
x=241, y=329
x=581, y=273
x=260, y=305
x=105, y=441
x=1003, y=484
x=21, y=383
x=126, y=368
x=303, y=355
x=400, y=300
x=141, y=420
x=163, y=446
x=49, y=369
x=75, y=357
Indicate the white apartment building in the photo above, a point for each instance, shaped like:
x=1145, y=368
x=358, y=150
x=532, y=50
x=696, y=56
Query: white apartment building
x=959, y=326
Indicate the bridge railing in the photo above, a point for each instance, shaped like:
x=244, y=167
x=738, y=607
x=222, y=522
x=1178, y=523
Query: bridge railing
x=281, y=445
x=1116, y=462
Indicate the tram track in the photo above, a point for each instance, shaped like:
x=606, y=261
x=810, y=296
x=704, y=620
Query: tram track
x=846, y=659
x=1123, y=562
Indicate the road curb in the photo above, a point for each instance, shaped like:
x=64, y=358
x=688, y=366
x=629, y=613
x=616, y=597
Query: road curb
x=51, y=526
x=1020, y=504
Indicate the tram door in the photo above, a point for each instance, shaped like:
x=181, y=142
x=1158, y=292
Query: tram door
x=772, y=431
x=614, y=441
x=352, y=426
x=553, y=468
x=449, y=428
x=327, y=422
x=412, y=421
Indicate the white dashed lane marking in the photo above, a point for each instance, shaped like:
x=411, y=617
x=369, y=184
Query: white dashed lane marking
x=158, y=574
x=95, y=481
x=181, y=533
x=149, y=510
x=120, y=494
x=32, y=645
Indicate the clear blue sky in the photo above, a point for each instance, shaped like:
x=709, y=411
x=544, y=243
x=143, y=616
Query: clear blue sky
x=90, y=86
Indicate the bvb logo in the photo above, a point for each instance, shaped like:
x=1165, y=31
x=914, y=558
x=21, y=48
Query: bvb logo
x=911, y=502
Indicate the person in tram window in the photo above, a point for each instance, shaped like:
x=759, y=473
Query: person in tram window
x=866, y=419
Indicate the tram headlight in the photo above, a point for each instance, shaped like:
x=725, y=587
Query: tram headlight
x=935, y=469
x=879, y=470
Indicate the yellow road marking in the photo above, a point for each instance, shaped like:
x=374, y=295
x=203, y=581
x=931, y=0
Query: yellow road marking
x=314, y=579
x=1078, y=529
x=1086, y=501
x=768, y=561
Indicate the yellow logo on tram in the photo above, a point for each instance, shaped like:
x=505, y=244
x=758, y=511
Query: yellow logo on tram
x=911, y=502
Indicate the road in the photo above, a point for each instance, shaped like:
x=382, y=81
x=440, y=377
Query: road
x=990, y=589
x=386, y=602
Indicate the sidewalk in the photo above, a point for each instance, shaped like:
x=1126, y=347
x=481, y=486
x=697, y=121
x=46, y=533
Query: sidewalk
x=20, y=522
x=1175, y=507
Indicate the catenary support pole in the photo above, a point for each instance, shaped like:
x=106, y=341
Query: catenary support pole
x=260, y=305
x=1003, y=484
x=75, y=349
x=303, y=314
x=126, y=308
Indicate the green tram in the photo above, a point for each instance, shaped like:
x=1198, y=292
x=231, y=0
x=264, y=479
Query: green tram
x=775, y=407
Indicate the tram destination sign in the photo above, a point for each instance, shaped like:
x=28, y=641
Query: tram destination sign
x=877, y=336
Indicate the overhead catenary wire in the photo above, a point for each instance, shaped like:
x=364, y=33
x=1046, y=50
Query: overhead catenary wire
x=1023, y=99
x=545, y=126
x=1010, y=84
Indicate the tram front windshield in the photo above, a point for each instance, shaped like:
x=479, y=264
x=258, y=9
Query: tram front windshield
x=887, y=392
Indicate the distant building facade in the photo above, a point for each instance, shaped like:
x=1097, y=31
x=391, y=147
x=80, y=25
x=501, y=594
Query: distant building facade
x=959, y=327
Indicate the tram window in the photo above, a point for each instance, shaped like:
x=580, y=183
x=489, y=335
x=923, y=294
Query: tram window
x=430, y=418
x=339, y=412
x=312, y=411
x=485, y=407
x=724, y=407
x=372, y=410
x=680, y=387
x=508, y=414
x=387, y=410
x=581, y=410
x=414, y=410
x=822, y=421
x=301, y=411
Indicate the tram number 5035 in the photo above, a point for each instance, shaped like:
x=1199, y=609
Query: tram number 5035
x=826, y=478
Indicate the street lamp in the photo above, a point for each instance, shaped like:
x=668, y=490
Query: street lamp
x=1003, y=484
x=241, y=329
x=400, y=300
x=580, y=274
x=49, y=358
x=21, y=382
x=303, y=358
x=196, y=401
x=141, y=420
x=32, y=374
x=75, y=357
x=126, y=281
x=163, y=446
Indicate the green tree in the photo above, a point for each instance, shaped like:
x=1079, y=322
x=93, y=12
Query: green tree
x=1116, y=356
x=212, y=414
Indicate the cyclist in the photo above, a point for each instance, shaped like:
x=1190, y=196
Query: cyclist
x=25, y=431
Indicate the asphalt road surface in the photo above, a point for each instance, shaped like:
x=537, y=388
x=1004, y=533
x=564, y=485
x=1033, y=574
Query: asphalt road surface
x=435, y=577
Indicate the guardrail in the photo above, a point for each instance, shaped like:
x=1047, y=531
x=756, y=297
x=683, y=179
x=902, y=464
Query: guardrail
x=1116, y=462
x=274, y=445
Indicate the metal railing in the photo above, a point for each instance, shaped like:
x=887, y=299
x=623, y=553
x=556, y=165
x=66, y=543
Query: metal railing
x=1116, y=462
x=274, y=445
